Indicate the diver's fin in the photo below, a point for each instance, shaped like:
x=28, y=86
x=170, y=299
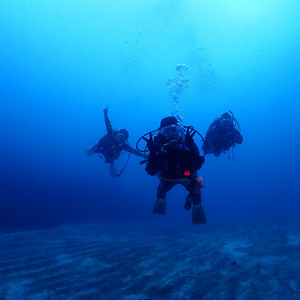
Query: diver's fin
x=90, y=151
x=159, y=206
x=198, y=215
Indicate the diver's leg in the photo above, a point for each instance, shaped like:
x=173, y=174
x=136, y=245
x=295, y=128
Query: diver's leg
x=90, y=151
x=99, y=146
x=160, y=204
x=94, y=149
x=112, y=169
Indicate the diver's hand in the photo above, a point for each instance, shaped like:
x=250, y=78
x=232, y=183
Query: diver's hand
x=189, y=141
x=105, y=110
x=150, y=142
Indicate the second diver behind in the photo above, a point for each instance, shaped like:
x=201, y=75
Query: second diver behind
x=222, y=134
x=112, y=145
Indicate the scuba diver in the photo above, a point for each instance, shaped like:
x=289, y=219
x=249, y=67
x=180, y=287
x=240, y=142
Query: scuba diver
x=175, y=158
x=222, y=134
x=112, y=145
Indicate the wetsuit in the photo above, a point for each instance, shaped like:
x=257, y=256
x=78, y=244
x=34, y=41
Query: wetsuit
x=177, y=164
x=110, y=146
x=221, y=135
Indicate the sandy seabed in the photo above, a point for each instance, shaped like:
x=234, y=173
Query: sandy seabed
x=138, y=261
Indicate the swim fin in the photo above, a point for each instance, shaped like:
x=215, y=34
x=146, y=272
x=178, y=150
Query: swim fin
x=160, y=206
x=90, y=151
x=198, y=215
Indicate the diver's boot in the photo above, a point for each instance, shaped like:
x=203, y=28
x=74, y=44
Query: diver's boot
x=160, y=206
x=198, y=215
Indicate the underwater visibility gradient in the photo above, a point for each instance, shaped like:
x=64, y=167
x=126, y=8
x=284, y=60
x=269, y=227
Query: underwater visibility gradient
x=70, y=231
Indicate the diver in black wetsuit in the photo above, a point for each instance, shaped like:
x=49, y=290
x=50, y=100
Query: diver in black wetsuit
x=222, y=134
x=112, y=144
x=174, y=158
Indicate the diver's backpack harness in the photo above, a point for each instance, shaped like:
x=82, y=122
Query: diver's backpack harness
x=189, y=131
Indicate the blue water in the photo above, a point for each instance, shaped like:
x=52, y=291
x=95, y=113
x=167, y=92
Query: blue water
x=63, y=62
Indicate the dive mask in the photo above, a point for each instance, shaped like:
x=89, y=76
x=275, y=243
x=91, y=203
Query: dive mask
x=170, y=132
